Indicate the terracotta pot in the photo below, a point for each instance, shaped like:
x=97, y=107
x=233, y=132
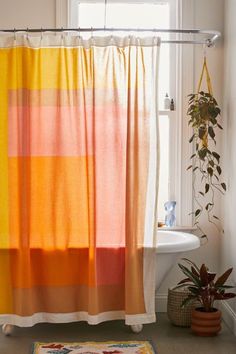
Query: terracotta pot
x=205, y=324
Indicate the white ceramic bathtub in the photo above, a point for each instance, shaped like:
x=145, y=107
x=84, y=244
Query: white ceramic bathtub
x=169, y=247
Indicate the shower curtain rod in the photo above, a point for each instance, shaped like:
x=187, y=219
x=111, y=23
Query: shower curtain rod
x=212, y=36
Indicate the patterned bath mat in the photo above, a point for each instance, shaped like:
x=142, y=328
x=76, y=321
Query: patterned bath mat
x=134, y=347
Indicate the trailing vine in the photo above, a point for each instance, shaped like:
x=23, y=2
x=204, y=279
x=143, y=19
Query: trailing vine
x=204, y=114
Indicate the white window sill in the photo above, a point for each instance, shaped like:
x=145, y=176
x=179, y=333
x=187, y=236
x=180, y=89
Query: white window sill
x=178, y=228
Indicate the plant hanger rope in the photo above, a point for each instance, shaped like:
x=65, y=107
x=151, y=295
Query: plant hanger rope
x=205, y=70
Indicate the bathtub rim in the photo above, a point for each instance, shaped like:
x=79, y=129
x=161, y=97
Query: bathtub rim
x=187, y=242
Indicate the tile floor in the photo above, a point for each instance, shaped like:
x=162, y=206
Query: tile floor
x=167, y=338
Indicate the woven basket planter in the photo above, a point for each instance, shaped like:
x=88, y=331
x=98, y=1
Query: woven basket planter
x=179, y=316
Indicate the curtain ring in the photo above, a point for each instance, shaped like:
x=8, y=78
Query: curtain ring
x=209, y=43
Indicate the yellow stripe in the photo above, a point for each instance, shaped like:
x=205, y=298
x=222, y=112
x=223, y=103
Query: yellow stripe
x=5, y=279
x=3, y=154
x=73, y=68
x=47, y=68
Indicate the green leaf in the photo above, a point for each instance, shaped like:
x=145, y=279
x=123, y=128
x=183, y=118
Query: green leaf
x=219, y=126
x=202, y=153
x=179, y=286
x=207, y=187
x=194, y=290
x=208, y=205
x=194, y=271
x=214, y=216
x=225, y=287
x=211, y=163
x=217, y=156
x=211, y=132
x=189, y=300
x=222, y=279
x=218, y=169
x=189, y=274
x=210, y=171
x=185, y=280
x=197, y=212
x=191, y=139
x=213, y=120
x=223, y=186
x=191, y=263
x=217, y=110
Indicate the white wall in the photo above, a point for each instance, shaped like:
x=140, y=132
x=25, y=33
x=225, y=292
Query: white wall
x=27, y=13
x=228, y=241
x=202, y=14
x=206, y=14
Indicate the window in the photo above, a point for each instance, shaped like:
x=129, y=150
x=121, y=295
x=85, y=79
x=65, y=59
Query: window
x=143, y=14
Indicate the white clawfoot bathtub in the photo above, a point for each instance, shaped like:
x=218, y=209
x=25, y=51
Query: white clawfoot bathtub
x=169, y=246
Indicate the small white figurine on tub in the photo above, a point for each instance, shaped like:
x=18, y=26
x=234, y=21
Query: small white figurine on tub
x=170, y=213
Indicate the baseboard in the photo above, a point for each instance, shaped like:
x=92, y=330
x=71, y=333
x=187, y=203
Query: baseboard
x=161, y=303
x=229, y=316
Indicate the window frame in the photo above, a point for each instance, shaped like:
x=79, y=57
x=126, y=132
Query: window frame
x=180, y=181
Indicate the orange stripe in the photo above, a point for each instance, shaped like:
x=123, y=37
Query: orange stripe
x=51, y=202
x=67, y=267
x=69, y=299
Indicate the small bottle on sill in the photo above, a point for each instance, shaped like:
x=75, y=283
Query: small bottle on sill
x=167, y=102
x=172, y=105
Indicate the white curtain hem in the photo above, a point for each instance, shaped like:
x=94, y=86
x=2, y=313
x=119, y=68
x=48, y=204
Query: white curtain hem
x=40, y=317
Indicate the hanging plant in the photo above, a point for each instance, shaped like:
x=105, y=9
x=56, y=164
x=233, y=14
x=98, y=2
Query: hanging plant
x=204, y=114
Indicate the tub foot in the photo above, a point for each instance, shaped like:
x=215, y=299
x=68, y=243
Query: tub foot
x=7, y=329
x=136, y=328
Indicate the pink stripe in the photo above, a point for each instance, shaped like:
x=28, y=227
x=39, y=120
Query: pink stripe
x=63, y=131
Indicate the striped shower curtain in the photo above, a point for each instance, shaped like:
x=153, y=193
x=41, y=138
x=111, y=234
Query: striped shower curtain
x=78, y=178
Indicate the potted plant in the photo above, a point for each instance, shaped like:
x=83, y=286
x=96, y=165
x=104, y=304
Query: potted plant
x=206, y=289
x=204, y=114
